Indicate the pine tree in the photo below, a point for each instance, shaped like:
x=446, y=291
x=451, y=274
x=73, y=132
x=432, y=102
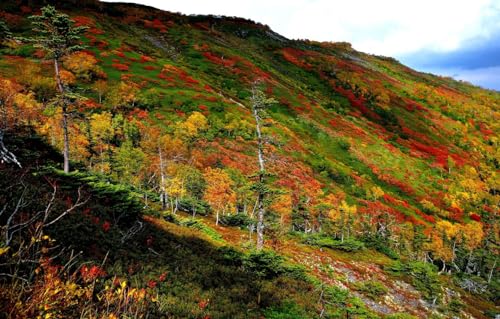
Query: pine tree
x=4, y=31
x=57, y=35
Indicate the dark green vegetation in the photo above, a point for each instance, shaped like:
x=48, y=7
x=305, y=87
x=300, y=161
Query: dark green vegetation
x=381, y=183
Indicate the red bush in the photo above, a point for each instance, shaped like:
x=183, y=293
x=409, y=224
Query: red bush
x=227, y=62
x=145, y=58
x=294, y=56
x=106, y=226
x=89, y=274
x=152, y=284
x=120, y=67
x=475, y=217
x=82, y=21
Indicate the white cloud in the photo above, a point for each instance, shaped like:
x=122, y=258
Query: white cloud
x=388, y=27
x=485, y=77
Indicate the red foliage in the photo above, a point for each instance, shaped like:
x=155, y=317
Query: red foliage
x=440, y=154
x=95, y=31
x=284, y=101
x=91, y=273
x=145, y=58
x=350, y=66
x=208, y=88
x=485, y=130
x=227, y=62
x=190, y=80
x=357, y=102
x=26, y=10
x=203, y=107
x=120, y=54
x=141, y=114
x=489, y=209
x=12, y=20
x=155, y=24
x=82, y=21
x=412, y=106
x=95, y=220
x=39, y=54
x=457, y=213
x=203, y=304
x=152, y=284
x=120, y=67
x=427, y=218
x=294, y=56
x=377, y=210
x=159, y=116
x=348, y=128
x=475, y=217
x=162, y=277
x=106, y=226
x=150, y=67
x=101, y=44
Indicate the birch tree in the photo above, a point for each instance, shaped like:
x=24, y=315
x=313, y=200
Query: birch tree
x=259, y=105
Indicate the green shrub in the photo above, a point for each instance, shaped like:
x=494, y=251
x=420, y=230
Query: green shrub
x=455, y=306
x=349, y=244
x=194, y=206
x=342, y=305
x=343, y=143
x=380, y=244
x=231, y=256
x=372, y=289
x=199, y=225
x=268, y=264
x=264, y=263
x=288, y=310
x=424, y=277
x=240, y=220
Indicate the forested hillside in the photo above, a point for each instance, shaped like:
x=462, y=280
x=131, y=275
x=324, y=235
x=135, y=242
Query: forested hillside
x=156, y=165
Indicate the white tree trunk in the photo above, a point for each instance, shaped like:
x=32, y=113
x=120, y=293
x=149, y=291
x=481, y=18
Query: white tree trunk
x=60, y=87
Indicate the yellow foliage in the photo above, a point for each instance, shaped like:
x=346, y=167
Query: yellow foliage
x=219, y=193
x=28, y=106
x=438, y=248
x=342, y=211
x=374, y=193
x=100, y=126
x=4, y=250
x=450, y=230
x=67, y=77
x=83, y=65
x=195, y=123
x=473, y=234
x=175, y=187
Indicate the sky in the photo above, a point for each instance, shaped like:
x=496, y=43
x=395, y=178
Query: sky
x=458, y=38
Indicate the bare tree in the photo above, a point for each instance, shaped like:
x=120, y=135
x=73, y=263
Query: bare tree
x=30, y=230
x=7, y=156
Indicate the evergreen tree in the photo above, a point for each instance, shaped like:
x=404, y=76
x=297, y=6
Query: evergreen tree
x=4, y=31
x=58, y=37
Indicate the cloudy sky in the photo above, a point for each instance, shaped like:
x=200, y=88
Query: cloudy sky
x=459, y=38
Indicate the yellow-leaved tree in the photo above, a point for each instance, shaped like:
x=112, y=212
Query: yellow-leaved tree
x=219, y=193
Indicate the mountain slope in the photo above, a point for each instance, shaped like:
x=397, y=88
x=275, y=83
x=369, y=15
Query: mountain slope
x=364, y=154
